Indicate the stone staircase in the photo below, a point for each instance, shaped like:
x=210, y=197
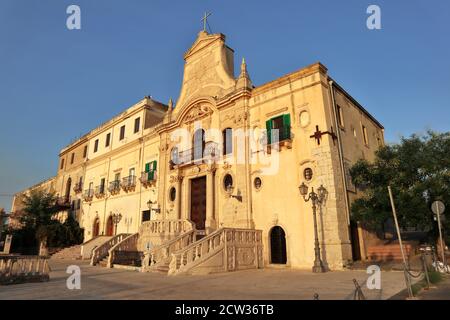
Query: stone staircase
x=70, y=253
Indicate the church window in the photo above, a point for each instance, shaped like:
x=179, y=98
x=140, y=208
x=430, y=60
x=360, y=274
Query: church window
x=308, y=174
x=228, y=182
x=199, y=144
x=227, y=136
x=257, y=183
x=279, y=127
x=172, y=194
x=174, y=156
x=96, y=145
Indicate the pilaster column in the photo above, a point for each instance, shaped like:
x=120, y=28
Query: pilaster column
x=210, y=222
x=177, y=179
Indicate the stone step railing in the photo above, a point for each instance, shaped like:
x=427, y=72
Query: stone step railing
x=162, y=254
x=102, y=251
x=128, y=243
x=240, y=249
x=19, y=269
x=166, y=226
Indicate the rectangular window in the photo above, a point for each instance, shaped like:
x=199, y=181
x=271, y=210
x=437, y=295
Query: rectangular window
x=132, y=172
x=137, y=125
x=108, y=139
x=117, y=177
x=62, y=164
x=96, y=145
x=91, y=186
x=365, y=135
x=102, y=185
x=85, y=152
x=72, y=158
x=146, y=215
x=150, y=169
x=340, y=116
x=282, y=125
x=122, y=133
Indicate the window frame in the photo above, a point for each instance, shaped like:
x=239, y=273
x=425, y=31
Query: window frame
x=122, y=133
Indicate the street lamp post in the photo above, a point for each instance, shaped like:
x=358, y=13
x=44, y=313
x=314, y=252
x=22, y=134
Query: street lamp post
x=116, y=217
x=316, y=198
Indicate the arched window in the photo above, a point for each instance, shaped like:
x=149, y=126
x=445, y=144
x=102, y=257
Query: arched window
x=199, y=143
x=227, y=139
x=174, y=157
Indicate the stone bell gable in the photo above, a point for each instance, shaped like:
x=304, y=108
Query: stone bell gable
x=208, y=69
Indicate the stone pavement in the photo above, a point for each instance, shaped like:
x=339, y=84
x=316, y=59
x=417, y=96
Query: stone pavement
x=289, y=284
x=440, y=292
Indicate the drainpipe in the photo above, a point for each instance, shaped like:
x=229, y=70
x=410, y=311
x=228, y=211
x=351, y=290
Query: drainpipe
x=340, y=152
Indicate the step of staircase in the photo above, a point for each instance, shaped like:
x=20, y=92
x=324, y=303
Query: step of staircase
x=70, y=253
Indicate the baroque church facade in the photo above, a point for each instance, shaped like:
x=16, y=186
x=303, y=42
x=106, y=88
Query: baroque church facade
x=211, y=183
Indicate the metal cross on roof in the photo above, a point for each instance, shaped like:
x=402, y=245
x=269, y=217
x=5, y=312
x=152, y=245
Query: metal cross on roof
x=205, y=20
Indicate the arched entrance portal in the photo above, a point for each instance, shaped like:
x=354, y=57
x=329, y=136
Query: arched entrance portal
x=96, y=228
x=110, y=226
x=277, y=245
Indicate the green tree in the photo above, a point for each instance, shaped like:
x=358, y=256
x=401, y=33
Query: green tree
x=39, y=207
x=418, y=171
x=38, y=223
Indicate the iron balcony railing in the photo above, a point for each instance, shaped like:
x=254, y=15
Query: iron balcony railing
x=129, y=183
x=63, y=201
x=209, y=153
x=78, y=187
x=114, y=187
x=88, y=194
x=100, y=191
x=148, y=177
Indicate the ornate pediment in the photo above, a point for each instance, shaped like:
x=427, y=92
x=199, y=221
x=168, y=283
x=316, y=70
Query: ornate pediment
x=197, y=112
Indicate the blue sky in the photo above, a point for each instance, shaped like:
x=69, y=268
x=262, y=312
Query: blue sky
x=56, y=84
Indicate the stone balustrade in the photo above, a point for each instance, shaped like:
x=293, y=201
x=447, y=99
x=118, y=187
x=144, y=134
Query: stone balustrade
x=102, y=251
x=19, y=269
x=166, y=226
x=124, y=249
x=162, y=254
x=226, y=249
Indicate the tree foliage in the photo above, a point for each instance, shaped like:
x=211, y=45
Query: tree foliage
x=38, y=223
x=418, y=171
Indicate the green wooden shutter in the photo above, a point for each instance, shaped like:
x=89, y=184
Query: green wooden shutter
x=269, y=131
x=286, y=126
x=151, y=175
x=154, y=165
x=147, y=167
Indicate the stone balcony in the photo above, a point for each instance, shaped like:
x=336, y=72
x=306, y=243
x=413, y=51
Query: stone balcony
x=88, y=195
x=193, y=156
x=148, y=178
x=129, y=183
x=114, y=187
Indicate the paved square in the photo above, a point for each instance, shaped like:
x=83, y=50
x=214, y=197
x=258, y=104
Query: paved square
x=102, y=283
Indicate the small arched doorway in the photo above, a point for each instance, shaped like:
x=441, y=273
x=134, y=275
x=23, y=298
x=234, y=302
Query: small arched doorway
x=110, y=226
x=96, y=228
x=277, y=246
